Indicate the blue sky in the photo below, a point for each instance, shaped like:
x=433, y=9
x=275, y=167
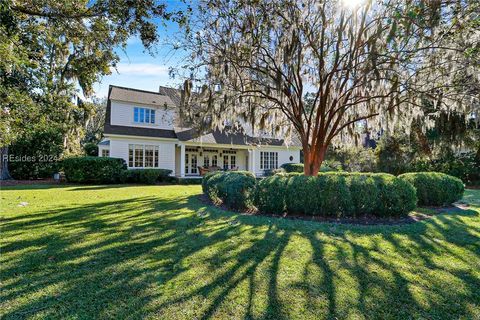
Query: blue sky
x=139, y=69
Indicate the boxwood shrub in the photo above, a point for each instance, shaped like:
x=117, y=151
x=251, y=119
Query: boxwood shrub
x=148, y=176
x=271, y=192
x=236, y=189
x=298, y=167
x=94, y=169
x=292, y=167
x=337, y=194
x=326, y=194
x=435, y=188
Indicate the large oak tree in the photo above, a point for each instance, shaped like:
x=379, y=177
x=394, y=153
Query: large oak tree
x=318, y=70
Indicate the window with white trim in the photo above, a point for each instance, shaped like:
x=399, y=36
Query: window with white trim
x=214, y=161
x=105, y=153
x=142, y=156
x=268, y=160
x=143, y=115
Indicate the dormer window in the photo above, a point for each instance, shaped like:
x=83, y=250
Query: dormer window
x=143, y=115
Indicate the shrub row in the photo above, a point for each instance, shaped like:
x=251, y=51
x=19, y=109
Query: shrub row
x=336, y=194
x=435, y=188
x=94, y=169
x=108, y=170
x=147, y=176
x=298, y=167
x=236, y=189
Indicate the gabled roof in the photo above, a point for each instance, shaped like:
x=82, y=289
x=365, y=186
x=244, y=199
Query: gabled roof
x=136, y=97
x=174, y=94
x=227, y=136
x=140, y=96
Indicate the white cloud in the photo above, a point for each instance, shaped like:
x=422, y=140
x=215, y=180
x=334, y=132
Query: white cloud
x=146, y=69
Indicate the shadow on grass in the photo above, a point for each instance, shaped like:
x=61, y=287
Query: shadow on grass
x=148, y=256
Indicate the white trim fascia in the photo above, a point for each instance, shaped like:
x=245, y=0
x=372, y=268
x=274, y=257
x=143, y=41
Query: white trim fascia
x=130, y=137
x=234, y=146
x=147, y=105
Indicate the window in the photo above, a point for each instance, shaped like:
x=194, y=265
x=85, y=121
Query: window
x=138, y=163
x=194, y=163
x=214, y=161
x=268, y=160
x=149, y=156
x=233, y=162
x=143, y=115
x=225, y=162
x=105, y=153
x=206, y=161
x=142, y=156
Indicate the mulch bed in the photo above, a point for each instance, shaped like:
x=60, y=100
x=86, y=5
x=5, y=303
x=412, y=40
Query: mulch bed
x=362, y=220
x=10, y=183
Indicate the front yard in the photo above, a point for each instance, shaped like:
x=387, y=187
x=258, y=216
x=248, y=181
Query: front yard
x=158, y=252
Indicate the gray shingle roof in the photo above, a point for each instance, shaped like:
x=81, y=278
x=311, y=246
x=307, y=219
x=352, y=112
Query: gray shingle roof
x=174, y=94
x=227, y=136
x=137, y=131
x=140, y=96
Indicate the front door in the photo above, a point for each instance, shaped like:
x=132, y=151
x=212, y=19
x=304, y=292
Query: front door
x=229, y=161
x=191, y=163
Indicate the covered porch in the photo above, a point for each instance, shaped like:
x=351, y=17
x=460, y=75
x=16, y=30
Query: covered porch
x=196, y=160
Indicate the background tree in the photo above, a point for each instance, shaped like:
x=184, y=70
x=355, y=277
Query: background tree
x=256, y=60
x=52, y=51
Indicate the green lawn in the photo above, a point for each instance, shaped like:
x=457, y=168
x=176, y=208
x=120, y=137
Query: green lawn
x=158, y=252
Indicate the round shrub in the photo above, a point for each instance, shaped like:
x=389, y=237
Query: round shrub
x=435, y=188
x=292, y=167
x=395, y=196
x=271, y=193
x=236, y=189
x=326, y=195
x=205, y=179
x=364, y=192
x=94, y=169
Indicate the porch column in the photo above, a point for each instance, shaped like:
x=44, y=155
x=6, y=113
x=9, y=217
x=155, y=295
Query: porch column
x=182, y=160
x=251, y=160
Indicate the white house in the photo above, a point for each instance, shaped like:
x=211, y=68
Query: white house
x=143, y=128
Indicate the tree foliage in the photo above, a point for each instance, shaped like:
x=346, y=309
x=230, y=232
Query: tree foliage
x=315, y=69
x=53, y=51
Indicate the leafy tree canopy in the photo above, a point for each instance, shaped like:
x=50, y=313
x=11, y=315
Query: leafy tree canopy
x=50, y=48
x=315, y=69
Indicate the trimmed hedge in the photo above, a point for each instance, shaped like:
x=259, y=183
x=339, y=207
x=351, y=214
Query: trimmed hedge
x=94, y=169
x=292, y=167
x=147, y=176
x=435, y=188
x=236, y=189
x=271, y=193
x=298, y=167
x=336, y=194
x=326, y=194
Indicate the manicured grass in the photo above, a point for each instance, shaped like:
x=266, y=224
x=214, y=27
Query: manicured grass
x=158, y=252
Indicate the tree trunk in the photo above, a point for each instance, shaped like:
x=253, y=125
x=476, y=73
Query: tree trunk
x=4, y=174
x=313, y=160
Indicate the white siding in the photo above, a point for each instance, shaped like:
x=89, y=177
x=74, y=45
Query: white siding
x=283, y=157
x=122, y=115
x=166, y=151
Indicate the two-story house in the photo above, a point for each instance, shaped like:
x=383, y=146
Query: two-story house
x=142, y=127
